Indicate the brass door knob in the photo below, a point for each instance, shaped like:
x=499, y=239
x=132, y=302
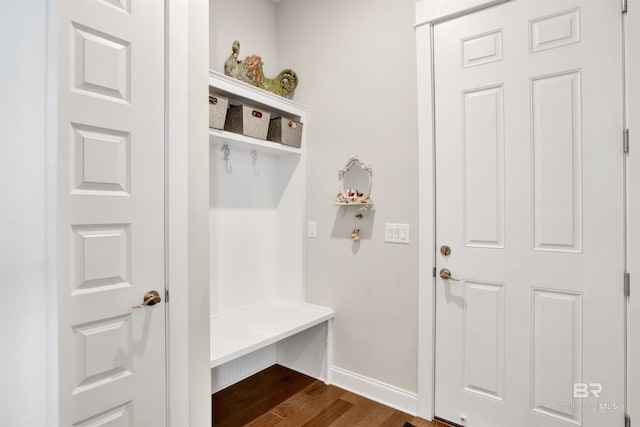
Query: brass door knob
x=446, y=274
x=445, y=250
x=150, y=298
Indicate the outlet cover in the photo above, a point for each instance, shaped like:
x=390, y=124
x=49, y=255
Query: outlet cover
x=312, y=229
x=396, y=233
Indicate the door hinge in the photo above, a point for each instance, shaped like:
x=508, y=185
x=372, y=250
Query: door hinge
x=434, y=272
x=625, y=141
x=627, y=420
x=627, y=284
x=166, y=295
x=624, y=6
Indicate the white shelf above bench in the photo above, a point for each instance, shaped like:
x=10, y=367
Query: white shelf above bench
x=249, y=329
x=238, y=140
x=238, y=91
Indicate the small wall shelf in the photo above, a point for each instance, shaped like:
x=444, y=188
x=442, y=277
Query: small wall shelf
x=366, y=205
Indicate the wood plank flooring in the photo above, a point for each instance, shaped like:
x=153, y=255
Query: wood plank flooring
x=281, y=397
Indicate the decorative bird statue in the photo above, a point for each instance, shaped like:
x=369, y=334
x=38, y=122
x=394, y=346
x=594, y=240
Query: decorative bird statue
x=250, y=71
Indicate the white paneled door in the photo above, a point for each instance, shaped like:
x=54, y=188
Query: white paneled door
x=529, y=176
x=110, y=197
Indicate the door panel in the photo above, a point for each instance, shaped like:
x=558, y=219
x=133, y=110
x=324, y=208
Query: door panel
x=483, y=145
x=111, y=211
x=529, y=196
x=484, y=339
x=557, y=162
x=557, y=352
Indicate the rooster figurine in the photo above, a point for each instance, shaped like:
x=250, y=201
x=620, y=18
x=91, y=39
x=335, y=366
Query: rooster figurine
x=250, y=71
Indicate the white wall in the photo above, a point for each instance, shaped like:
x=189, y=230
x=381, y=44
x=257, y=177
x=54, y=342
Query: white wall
x=357, y=67
x=253, y=23
x=24, y=308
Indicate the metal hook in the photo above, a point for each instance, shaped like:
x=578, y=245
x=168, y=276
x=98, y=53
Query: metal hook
x=254, y=161
x=226, y=151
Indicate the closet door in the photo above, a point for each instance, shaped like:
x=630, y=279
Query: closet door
x=529, y=174
x=110, y=218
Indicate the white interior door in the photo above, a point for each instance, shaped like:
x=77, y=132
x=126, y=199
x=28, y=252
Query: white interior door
x=529, y=182
x=110, y=236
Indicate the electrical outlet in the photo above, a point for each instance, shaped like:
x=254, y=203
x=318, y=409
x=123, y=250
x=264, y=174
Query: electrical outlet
x=396, y=233
x=312, y=229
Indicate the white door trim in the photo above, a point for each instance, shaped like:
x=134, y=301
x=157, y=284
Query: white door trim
x=176, y=242
x=428, y=13
x=426, y=221
x=187, y=212
x=434, y=11
x=632, y=91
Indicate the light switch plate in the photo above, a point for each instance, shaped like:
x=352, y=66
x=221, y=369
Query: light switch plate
x=312, y=229
x=396, y=233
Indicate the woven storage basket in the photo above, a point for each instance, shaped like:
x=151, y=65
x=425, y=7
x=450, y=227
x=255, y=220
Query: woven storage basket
x=248, y=120
x=217, y=110
x=285, y=131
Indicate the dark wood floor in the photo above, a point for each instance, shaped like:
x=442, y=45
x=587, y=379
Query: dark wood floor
x=282, y=397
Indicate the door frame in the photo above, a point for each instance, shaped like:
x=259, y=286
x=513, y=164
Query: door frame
x=632, y=108
x=429, y=13
x=187, y=212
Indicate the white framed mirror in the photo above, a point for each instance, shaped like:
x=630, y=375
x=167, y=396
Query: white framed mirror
x=356, y=182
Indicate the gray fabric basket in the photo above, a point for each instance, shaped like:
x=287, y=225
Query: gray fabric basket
x=248, y=120
x=217, y=110
x=285, y=131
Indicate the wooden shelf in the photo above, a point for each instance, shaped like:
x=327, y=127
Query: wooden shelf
x=241, y=332
x=261, y=145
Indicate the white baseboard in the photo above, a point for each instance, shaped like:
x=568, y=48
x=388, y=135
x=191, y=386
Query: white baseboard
x=380, y=392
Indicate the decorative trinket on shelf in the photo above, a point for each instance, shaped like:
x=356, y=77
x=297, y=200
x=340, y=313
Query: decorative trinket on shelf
x=353, y=196
x=250, y=71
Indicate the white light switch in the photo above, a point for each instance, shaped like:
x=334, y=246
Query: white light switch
x=396, y=233
x=312, y=229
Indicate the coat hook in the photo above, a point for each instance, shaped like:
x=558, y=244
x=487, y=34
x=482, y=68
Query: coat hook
x=254, y=161
x=226, y=151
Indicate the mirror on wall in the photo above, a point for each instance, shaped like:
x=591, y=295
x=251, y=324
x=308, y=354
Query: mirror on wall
x=356, y=179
